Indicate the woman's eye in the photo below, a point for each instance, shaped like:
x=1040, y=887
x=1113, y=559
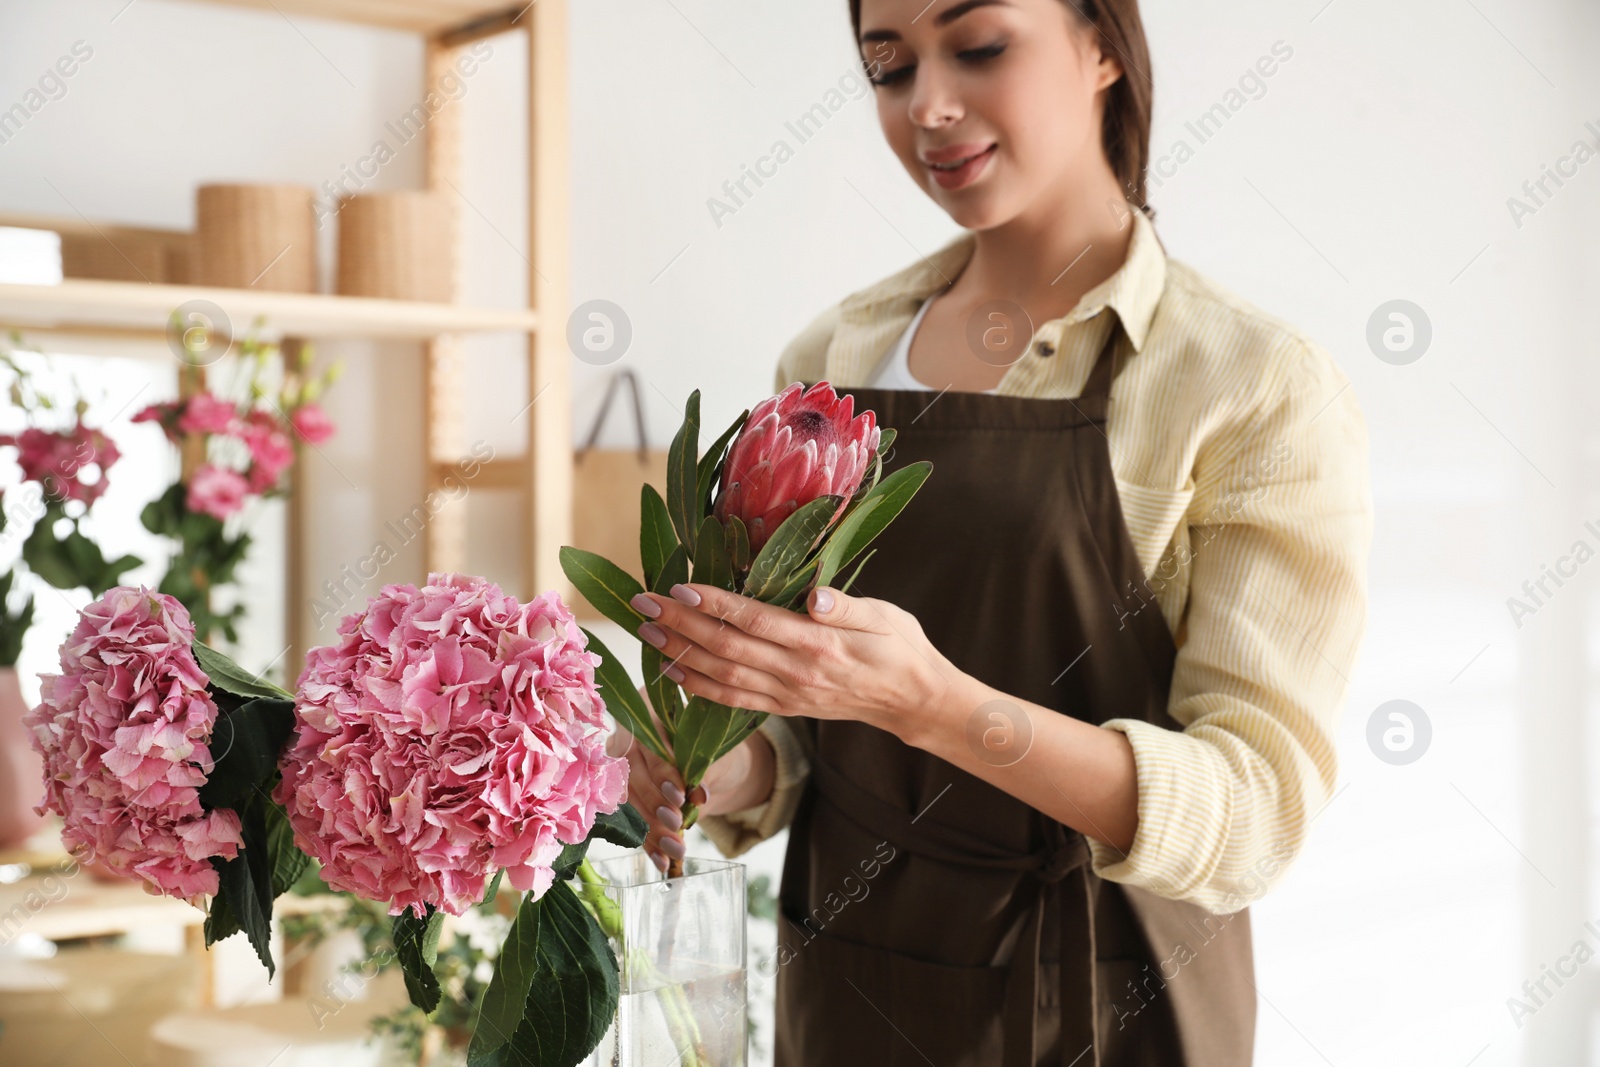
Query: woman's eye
x=978, y=55
x=892, y=77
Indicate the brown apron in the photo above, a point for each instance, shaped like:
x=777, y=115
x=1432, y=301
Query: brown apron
x=928, y=917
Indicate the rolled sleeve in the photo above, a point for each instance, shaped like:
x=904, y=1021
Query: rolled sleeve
x=736, y=832
x=1279, y=534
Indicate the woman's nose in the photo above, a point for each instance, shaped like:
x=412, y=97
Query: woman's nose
x=934, y=99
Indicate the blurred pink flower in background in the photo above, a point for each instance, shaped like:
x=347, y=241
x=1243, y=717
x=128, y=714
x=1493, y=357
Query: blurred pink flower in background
x=312, y=423
x=124, y=730
x=205, y=413
x=450, y=732
x=271, y=452
x=795, y=447
x=216, y=491
x=57, y=461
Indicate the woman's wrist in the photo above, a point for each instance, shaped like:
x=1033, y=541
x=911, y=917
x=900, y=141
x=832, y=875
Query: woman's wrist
x=936, y=707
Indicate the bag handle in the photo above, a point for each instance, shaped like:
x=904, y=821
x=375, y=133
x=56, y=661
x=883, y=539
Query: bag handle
x=625, y=374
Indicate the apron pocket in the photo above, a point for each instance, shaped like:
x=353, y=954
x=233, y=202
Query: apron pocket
x=841, y=1003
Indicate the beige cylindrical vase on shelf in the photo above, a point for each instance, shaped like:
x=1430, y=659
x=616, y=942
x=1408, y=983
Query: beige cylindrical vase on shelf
x=397, y=245
x=256, y=237
x=21, y=770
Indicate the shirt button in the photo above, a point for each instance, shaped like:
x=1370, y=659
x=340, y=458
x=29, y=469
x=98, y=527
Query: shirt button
x=1045, y=348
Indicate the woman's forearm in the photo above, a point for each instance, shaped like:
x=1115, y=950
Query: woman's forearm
x=742, y=778
x=1074, y=772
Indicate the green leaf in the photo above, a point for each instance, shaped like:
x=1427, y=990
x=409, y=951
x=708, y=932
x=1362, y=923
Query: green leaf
x=737, y=539
x=664, y=694
x=416, y=947
x=886, y=436
x=288, y=863
x=656, y=539
x=622, y=699
x=604, y=584
x=710, y=468
x=831, y=558
x=871, y=516
x=683, y=488
x=845, y=588
x=554, y=989
x=711, y=563
x=232, y=678
x=494, y=889
x=788, y=547
x=625, y=826
x=707, y=732
x=798, y=585
x=73, y=561
x=245, y=746
x=566, y=863
x=244, y=888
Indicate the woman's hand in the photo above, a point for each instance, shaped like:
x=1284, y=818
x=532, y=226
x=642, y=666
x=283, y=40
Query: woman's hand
x=655, y=787
x=850, y=658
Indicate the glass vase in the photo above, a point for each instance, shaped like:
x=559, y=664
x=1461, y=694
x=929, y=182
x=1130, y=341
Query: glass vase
x=681, y=955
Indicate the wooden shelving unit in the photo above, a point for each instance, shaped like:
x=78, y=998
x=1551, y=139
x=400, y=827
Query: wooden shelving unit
x=140, y=312
x=95, y=315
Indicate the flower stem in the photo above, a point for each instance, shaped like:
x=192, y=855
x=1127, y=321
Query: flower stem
x=675, y=1007
x=605, y=910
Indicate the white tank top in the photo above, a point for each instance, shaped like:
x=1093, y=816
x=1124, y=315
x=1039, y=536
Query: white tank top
x=895, y=371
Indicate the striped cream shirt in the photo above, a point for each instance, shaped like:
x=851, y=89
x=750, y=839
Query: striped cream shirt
x=1240, y=455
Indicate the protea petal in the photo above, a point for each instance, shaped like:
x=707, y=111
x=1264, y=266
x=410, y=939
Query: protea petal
x=794, y=447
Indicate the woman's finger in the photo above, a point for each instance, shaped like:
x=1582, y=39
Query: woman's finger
x=720, y=692
x=722, y=663
x=844, y=612
x=758, y=634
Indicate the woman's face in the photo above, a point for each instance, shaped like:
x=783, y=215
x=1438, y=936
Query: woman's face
x=991, y=105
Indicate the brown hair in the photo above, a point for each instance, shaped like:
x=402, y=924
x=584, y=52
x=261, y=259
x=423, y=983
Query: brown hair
x=1125, y=129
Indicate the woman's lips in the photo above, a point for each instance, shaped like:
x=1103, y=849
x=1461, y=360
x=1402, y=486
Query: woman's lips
x=959, y=172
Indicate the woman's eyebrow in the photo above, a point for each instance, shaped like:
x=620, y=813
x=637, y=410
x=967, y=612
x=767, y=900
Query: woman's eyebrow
x=943, y=18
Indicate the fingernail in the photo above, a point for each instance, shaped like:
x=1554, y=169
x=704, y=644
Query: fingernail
x=672, y=847
x=671, y=816
x=673, y=671
x=824, y=600
x=671, y=791
x=685, y=594
x=659, y=860
x=653, y=633
x=645, y=606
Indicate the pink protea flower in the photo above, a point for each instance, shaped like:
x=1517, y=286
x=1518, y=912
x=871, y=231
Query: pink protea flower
x=450, y=732
x=216, y=491
x=793, y=448
x=124, y=730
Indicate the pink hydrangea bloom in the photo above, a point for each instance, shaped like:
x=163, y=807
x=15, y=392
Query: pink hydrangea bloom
x=450, y=732
x=124, y=730
x=205, y=413
x=312, y=423
x=216, y=491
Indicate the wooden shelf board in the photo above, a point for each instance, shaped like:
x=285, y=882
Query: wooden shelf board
x=418, y=16
x=90, y=908
x=136, y=309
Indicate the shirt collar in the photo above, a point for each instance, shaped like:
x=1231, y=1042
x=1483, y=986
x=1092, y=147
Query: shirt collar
x=1133, y=291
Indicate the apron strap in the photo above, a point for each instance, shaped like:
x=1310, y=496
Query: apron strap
x=1061, y=871
x=1098, y=386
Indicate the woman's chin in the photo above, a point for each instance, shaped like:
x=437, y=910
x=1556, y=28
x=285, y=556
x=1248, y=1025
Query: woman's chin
x=974, y=210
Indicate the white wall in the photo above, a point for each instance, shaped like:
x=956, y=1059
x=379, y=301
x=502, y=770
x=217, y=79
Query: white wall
x=1375, y=166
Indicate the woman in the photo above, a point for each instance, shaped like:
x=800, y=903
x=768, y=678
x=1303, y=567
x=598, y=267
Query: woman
x=1079, y=711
